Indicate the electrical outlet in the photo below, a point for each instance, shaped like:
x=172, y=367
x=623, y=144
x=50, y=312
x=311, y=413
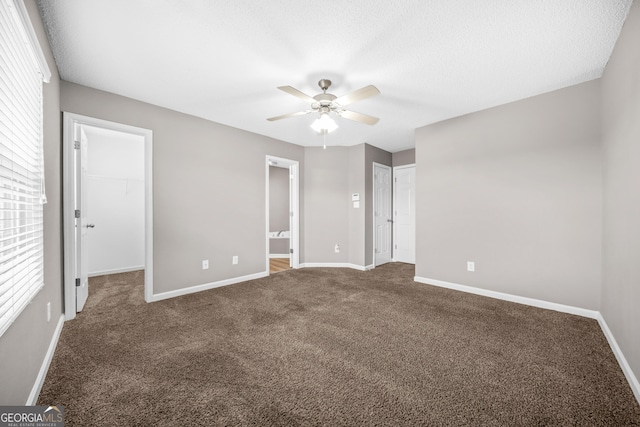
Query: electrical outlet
x=234, y=261
x=471, y=266
x=48, y=312
x=205, y=264
x=337, y=248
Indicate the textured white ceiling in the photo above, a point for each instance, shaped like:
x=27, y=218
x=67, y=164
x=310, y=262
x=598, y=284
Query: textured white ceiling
x=223, y=59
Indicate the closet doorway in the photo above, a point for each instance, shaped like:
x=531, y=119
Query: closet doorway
x=381, y=214
x=282, y=214
x=108, y=222
x=404, y=214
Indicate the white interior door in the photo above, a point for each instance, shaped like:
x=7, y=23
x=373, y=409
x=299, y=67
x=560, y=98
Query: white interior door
x=404, y=207
x=382, y=213
x=82, y=225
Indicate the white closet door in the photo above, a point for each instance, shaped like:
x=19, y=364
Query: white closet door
x=404, y=207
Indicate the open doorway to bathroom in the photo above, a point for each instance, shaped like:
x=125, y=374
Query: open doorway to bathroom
x=282, y=214
x=279, y=228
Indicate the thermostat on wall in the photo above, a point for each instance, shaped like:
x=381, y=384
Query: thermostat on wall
x=355, y=197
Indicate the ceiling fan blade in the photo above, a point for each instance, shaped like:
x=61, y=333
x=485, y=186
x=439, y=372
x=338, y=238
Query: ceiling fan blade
x=295, y=92
x=286, y=116
x=357, y=95
x=359, y=117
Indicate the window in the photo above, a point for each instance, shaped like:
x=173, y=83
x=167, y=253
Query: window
x=22, y=71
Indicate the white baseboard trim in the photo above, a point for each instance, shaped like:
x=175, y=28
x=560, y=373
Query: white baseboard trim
x=206, y=286
x=44, y=368
x=360, y=267
x=336, y=265
x=592, y=314
x=324, y=264
x=279, y=256
x=622, y=361
x=116, y=271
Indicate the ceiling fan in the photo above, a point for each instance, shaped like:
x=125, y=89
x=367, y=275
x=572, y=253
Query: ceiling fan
x=325, y=103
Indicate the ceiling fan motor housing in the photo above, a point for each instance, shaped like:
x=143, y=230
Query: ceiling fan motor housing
x=325, y=100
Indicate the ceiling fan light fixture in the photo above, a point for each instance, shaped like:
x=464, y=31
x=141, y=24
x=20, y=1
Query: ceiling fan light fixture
x=324, y=124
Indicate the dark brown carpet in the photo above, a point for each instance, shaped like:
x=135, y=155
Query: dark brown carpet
x=332, y=347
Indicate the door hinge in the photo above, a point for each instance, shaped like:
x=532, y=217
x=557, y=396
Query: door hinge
x=78, y=282
x=76, y=145
x=77, y=213
x=290, y=251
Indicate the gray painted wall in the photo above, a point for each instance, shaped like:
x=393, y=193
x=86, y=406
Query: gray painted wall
x=406, y=157
x=326, y=204
x=331, y=177
x=621, y=136
x=24, y=345
x=518, y=190
x=357, y=215
x=209, y=188
x=278, y=198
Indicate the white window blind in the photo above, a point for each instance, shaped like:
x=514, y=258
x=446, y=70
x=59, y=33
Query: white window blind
x=21, y=165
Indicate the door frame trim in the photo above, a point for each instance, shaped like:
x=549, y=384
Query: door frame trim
x=68, y=200
x=393, y=208
x=373, y=210
x=294, y=196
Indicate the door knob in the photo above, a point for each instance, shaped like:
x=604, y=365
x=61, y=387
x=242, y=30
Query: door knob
x=389, y=220
x=90, y=225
